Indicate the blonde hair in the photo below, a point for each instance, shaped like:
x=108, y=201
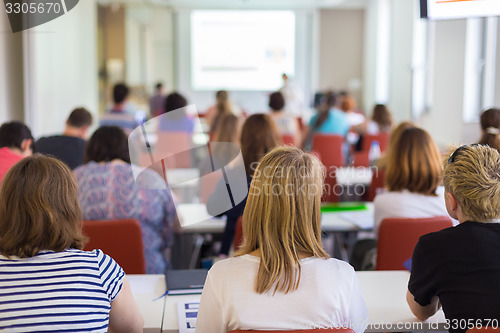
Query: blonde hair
x=414, y=163
x=39, y=208
x=472, y=176
x=282, y=217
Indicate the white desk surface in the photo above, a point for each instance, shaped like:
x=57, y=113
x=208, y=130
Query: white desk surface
x=146, y=289
x=354, y=175
x=385, y=296
x=330, y=222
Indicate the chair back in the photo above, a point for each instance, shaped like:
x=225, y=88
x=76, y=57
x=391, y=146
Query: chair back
x=397, y=238
x=314, y=330
x=381, y=138
x=288, y=140
x=176, y=146
x=376, y=184
x=120, y=239
x=329, y=148
x=238, y=234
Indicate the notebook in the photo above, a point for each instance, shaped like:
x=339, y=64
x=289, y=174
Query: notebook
x=185, y=281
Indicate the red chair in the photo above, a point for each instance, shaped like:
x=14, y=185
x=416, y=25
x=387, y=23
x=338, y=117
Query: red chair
x=397, y=238
x=238, y=234
x=314, y=330
x=376, y=184
x=288, y=140
x=329, y=148
x=120, y=239
x=362, y=158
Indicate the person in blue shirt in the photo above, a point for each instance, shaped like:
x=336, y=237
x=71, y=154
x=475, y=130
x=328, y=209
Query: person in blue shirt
x=329, y=120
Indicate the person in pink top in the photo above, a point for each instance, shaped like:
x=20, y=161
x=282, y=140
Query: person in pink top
x=16, y=142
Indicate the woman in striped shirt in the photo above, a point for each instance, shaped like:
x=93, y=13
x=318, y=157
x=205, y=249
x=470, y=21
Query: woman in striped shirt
x=46, y=282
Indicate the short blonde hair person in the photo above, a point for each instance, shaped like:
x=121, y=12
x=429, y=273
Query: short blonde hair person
x=39, y=208
x=282, y=217
x=472, y=176
x=414, y=163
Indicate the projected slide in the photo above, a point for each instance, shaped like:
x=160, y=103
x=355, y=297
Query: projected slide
x=451, y=9
x=241, y=50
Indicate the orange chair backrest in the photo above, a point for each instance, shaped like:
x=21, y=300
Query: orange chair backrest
x=174, y=146
x=381, y=138
x=288, y=140
x=397, y=238
x=315, y=330
x=329, y=148
x=120, y=239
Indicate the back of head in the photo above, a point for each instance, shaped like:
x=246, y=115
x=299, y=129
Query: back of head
x=282, y=217
x=472, y=176
x=414, y=163
x=174, y=101
x=276, y=101
x=159, y=86
x=80, y=117
x=490, y=125
x=228, y=130
x=348, y=103
x=120, y=93
x=329, y=100
x=39, y=208
x=259, y=136
x=106, y=144
x=223, y=104
x=383, y=117
x=13, y=134
x=394, y=139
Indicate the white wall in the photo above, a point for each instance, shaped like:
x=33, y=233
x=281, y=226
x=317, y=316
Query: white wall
x=11, y=72
x=444, y=120
x=342, y=50
x=251, y=101
x=61, y=68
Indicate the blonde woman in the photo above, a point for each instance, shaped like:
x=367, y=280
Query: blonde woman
x=282, y=278
x=459, y=268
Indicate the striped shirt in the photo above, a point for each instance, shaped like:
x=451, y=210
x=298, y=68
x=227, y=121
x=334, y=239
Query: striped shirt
x=69, y=291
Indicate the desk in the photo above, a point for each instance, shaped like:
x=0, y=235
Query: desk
x=330, y=221
x=385, y=296
x=146, y=289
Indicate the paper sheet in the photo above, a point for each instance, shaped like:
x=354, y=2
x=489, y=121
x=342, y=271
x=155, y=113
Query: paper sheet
x=186, y=315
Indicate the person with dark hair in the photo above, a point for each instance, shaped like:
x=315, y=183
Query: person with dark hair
x=259, y=136
x=157, y=101
x=108, y=189
x=328, y=120
x=16, y=142
x=178, y=121
x=287, y=125
x=48, y=283
x=490, y=127
x=70, y=146
x=119, y=115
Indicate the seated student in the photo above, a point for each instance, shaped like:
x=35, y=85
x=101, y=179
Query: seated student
x=259, y=135
x=282, y=278
x=380, y=122
x=157, y=102
x=490, y=128
x=329, y=120
x=287, y=125
x=459, y=267
x=120, y=115
x=107, y=189
x=176, y=121
x=70, y=146
x=47, y=282
x=412, y=178
x=222, y=108
x=16, y=142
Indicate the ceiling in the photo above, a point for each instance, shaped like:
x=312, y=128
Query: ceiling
x=247, y=4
